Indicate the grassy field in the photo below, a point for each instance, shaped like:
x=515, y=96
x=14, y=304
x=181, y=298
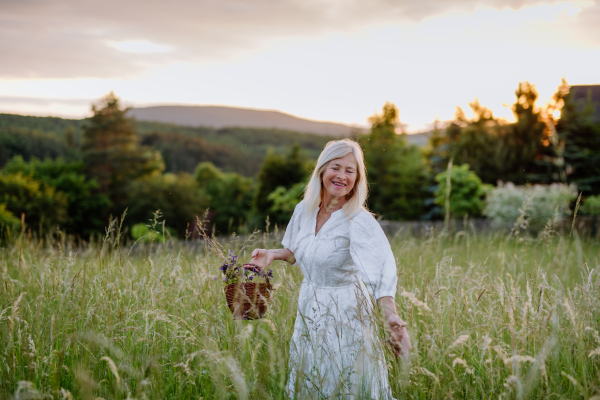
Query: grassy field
x=489, y=316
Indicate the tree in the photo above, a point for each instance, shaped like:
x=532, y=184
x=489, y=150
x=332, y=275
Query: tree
x=111, y=153
x=467, y=192
x=277, y=170
x=395, y=170
x=85, y=207
x=285, y=200
x=7, y=221
x=43, y=206
x=229, y=196
x=29, y=143
x=580, y=135
x=177, y=196
x=523, y=143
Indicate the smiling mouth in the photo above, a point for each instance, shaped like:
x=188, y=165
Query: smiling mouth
x=338, y=184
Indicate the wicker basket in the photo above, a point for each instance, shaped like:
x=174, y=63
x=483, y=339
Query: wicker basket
x=248, y=300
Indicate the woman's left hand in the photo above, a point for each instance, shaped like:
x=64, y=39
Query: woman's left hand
x=399, y=335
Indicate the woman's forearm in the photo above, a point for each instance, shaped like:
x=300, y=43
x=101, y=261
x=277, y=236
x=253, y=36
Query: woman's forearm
x=387, y=306
x=283, y=255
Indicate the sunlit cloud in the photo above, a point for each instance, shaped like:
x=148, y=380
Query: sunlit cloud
x=139, y=46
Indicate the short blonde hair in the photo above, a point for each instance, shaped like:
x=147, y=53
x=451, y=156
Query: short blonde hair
x=356, y=199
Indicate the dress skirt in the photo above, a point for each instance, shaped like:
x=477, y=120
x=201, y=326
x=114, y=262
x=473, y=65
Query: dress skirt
x=335, y=352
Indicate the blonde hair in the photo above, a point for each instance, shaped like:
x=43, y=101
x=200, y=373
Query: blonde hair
x=355, y=200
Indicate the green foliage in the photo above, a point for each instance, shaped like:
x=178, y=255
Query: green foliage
x=493, y=149
x=523, y=142
x=183, y=153
x=285, y=200
x=395, y=170
x=15, y=141
x=278, y=171
x=43, y=206
x=177, y=196
x=591, y=205
x=111, y=153
x=467, y=193
x=229, y=196
x=580, y=136
x=254, y=143
x=537, y=204
x=143, y=233
x=50, y=125
x=232, y=149
x=85, y=207
x=7, y=220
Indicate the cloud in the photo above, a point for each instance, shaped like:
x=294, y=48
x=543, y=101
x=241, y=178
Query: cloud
x=89, y=38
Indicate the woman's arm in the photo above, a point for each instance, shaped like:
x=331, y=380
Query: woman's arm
x=395, y=325
x=262, y=258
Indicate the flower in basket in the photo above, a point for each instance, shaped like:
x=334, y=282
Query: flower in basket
x=242, y=273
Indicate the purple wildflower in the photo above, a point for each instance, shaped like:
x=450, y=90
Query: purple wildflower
x=214, y=278
x=224, y=279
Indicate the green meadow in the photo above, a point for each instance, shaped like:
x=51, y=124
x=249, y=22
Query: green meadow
x=490, y=316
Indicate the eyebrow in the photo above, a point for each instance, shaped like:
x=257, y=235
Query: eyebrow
x=339, y=165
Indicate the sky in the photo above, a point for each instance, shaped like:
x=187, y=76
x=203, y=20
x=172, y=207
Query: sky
x=330, y=60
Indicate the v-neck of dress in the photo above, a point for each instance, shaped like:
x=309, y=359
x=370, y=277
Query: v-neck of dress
x=317, y=217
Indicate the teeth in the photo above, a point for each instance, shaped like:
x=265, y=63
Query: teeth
x=338, y=184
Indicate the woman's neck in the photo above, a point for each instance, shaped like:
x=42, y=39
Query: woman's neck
x=331, y=203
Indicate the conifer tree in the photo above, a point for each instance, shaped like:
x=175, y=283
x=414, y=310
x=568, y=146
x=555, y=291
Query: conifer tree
x=111, y=153
x=523, y=142
x=395, y=170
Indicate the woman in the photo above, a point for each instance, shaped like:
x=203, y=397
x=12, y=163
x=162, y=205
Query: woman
x=345, y=257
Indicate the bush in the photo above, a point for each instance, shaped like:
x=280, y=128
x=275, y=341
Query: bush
x=229, y=196
x=285, y=200
x=86, y=209
x=176, y=195
x=541, y=202
x=591, y=205
x=7, y=220
x=144, y=233
x=467, y=193
x=43, y=206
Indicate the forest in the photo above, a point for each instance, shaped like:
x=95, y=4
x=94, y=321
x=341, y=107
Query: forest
x=74, y=175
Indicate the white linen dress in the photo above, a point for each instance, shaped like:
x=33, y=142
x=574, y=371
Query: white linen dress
x=334, y=351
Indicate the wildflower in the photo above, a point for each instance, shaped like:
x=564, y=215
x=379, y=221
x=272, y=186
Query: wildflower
x=214, y=278
x=224, y=279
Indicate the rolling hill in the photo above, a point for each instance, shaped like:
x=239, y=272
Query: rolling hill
x=221, y=117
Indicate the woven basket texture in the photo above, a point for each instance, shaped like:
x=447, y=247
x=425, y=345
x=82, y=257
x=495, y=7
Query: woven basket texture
x=248, y=300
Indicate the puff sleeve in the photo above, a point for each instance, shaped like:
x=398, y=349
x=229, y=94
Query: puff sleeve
x=293, y=229
x=371, y=252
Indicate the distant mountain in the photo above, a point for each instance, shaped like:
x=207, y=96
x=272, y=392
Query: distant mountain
x=221, y=117
x=419, y=139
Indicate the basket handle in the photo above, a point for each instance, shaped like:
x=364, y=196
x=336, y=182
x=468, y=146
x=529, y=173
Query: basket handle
x=252, y=267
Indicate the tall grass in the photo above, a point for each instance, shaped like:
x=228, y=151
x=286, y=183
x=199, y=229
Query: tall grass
x=489, y=316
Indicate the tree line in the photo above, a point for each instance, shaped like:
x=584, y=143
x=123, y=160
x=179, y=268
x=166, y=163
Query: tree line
x=105, y=166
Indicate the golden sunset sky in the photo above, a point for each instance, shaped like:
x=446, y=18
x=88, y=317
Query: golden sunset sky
x=333, y=60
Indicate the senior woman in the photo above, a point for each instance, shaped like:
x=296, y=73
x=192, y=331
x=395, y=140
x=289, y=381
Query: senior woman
x=345, y=258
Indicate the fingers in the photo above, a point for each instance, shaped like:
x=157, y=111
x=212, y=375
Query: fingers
x=401, y=341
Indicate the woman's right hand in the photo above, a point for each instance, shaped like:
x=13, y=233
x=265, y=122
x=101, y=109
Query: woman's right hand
x=262, y=258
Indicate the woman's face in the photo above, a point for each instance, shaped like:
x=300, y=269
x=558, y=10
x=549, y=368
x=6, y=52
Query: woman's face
x=340, y=175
